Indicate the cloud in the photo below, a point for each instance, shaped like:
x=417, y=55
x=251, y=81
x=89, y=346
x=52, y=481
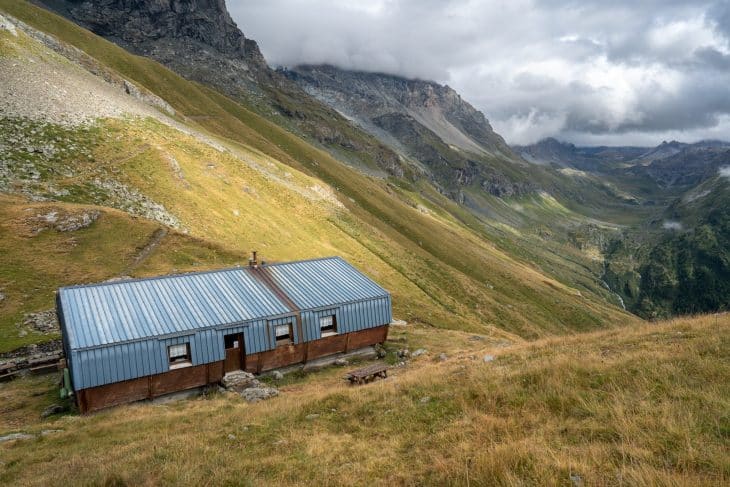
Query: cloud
x=725, y=172
x=577, y=70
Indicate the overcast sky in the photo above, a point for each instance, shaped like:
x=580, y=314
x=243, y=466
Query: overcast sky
x=587, y=71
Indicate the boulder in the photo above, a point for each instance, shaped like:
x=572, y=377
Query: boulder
x=341, y=362
x=239, y=380
x=277, y=375
x=443, y=357
x=418, y=352
x=256, y=394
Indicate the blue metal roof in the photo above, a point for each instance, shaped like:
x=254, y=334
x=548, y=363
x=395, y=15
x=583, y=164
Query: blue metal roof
x=325, y=282
x=108, y=313
x=121, y=311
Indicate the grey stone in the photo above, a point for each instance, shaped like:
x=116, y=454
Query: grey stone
x=425, y=399
x=403, y=353
x=42, y=321
x=311, y=416
x=443, y=357
x=488, y=358
x=50, y=432
x=576, y=480
x=341, y=362
x=5, y=24
x=380, y=350
x=277, y=375
x=398, y=323
x=239, y=380
x=256, y=394
x=16, y=436
x=52, y=409
x=419, y=352
x=231, y=437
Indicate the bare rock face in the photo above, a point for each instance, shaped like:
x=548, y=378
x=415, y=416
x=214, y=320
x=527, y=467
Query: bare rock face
x=438, y=108
x=197, y=38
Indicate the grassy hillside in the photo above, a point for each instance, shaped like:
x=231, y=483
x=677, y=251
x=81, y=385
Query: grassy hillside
x=36, y=258
x=259, y=186
x=647, y=406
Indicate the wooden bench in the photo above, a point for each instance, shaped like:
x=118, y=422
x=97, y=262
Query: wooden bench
x=367, y=374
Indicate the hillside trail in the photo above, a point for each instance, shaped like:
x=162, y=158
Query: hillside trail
x=153, y=242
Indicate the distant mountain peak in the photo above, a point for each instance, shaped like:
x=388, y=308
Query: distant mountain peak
x=367, y=95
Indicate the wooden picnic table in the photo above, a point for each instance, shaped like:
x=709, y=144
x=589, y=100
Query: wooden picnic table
x=367, y=374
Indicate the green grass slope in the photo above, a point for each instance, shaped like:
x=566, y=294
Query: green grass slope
x=647, y=406
x=273, y=191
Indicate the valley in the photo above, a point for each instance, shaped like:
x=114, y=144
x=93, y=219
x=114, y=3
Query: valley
x=558, y=292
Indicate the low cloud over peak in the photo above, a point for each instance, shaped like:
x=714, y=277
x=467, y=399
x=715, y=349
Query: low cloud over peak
x=622, y=72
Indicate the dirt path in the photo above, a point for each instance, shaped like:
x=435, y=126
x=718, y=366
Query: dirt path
x=147, y=250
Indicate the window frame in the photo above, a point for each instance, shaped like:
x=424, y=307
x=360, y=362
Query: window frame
x=329, y=330
x=289, y=340
x=179, y=361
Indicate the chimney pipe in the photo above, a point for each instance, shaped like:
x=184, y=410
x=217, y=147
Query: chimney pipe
x=252, y=261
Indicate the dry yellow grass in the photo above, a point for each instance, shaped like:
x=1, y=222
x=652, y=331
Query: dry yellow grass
x=641, y=406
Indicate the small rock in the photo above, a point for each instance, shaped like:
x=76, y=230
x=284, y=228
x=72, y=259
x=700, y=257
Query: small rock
x=488, y=358
x=403, y=353
x=256, y=394
x=576, y=480
x=476, y=338
x=50, y=432
x=2, y=297
x=341, y=362
x=425, y=399
x=311, y=416
x=16, y=436
x=418, y=352
x=231, y=437
x=443, y=357
x=398, y=323
x=52, y=409
x=277, y=375
x=380, y=351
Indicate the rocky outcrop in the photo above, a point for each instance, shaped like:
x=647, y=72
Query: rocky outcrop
x=248, y=386
x=196, y=38
x=365, y=96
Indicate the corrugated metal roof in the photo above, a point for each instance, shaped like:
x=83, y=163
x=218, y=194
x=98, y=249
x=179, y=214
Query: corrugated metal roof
x=102, y=314
x=121, y=311
x=323, y=282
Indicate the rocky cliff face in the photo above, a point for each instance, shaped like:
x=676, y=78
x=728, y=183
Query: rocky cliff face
x=196, y=38
x=424, y=121
x=366, y=96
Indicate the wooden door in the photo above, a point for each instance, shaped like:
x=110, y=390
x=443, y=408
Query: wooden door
x=234, y=352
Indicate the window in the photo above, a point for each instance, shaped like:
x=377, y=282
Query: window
x=284, y=334
x=328, y=325
x=179, y=355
